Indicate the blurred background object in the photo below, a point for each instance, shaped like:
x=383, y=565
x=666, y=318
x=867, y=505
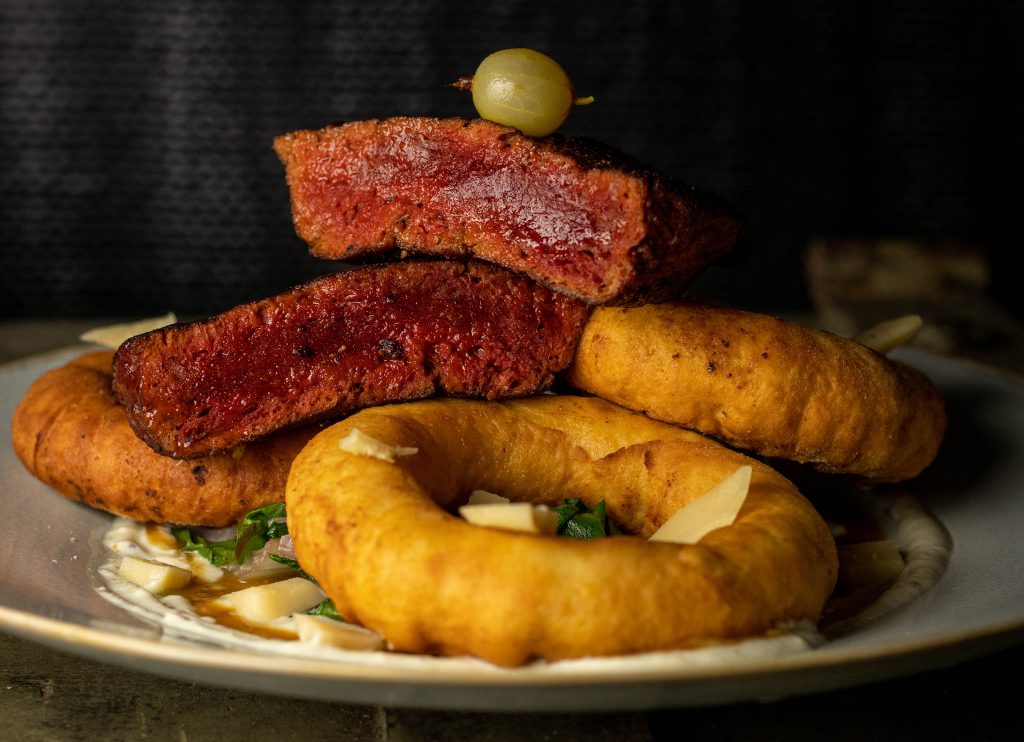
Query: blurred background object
x=857, y=283
x=138, y=176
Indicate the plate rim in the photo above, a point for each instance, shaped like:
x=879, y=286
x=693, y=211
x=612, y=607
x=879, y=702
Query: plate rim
x=174, y=659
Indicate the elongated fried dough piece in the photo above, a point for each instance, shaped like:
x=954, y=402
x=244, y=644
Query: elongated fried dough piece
x=766, y=385
x=378, y=539
x=368, y=336
x=571, y=213
x=71, y=433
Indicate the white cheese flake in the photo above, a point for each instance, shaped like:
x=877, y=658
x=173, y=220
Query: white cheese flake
x=360, y=444
x=266, y=603
x=889, y=335
x=320, y=631
x=111, y=336
x=512, y=516
x=153, y=576
x=716, y=509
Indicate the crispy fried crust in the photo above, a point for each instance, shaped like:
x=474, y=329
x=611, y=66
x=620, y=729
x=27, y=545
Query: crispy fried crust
x=766, y=385
x=71, y=433
x=377, y=536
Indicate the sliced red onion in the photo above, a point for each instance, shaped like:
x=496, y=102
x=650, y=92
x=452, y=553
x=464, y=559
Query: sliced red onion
x=285, y=546
x=259, y=562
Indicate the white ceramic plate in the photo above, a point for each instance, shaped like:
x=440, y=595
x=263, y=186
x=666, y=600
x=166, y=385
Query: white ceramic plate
x=976, y=488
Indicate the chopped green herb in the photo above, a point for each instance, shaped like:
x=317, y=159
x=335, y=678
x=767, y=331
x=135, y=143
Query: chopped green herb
x=584, y=526
x=215, y=552
x=576, y=520
x=257, y=527
x=327, y=610
x=565, y=512
x=289, y=562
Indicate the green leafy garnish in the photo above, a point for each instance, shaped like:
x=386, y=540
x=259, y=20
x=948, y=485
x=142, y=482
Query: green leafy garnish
x=576, y=520
x=565, y=512
x=256, y=529
x=327, y=610
x=289, y=562
x=215, y=552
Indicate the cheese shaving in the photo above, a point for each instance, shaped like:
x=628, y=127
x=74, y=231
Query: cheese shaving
x=512, y=516
x=716, y=509
x=359, y=443
x=889, y=335
x=112, y=336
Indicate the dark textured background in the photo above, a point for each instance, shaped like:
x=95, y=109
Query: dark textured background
x=137, y=174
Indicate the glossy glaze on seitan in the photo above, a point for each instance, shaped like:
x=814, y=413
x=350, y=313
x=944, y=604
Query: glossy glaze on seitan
x=571, y=213
x=365, y=337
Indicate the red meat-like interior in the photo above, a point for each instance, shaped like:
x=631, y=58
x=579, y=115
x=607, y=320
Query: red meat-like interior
x=346, y=341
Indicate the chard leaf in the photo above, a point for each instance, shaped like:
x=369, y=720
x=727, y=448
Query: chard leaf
x=256, y=529
x=265, y=513
x=327, y=610
x=289, y=562
x=584, y=526
x=576, y=520
x=217, y=553
x=567, y=511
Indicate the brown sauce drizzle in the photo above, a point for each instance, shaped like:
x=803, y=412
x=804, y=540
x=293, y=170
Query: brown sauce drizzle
x=159, y=537
x=851, y=526
x=203, y=596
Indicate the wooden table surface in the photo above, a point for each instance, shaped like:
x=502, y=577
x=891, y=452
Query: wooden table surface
x=48, y=695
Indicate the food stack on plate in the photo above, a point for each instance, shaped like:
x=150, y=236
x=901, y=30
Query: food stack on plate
x=495, y=263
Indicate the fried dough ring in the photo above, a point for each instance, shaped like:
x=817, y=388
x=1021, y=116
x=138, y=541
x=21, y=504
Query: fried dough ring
x=378, y=539
x=765, y=385
x=70, y=432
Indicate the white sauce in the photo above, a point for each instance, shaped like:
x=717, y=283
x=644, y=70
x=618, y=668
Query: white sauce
x=925, y=545
x=922, y=540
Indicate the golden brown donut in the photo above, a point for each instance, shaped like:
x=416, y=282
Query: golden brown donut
x=380, y=538
x=766, y=385
x=71, y=433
